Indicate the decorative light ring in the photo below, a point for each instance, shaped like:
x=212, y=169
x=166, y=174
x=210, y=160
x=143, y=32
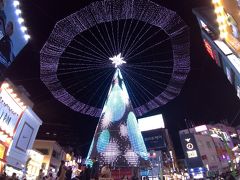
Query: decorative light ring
x=108, y=11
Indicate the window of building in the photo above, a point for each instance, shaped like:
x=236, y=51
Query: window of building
x=208, y=144
x=43, y=151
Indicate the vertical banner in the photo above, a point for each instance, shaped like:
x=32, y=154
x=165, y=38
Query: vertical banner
x=191, y=151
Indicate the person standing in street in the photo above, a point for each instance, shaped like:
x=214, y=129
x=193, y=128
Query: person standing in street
x=62, y=171
x=95, y=169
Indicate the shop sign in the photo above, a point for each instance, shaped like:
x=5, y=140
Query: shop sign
x=208, y=48
x=8, y=118
x=192, y=154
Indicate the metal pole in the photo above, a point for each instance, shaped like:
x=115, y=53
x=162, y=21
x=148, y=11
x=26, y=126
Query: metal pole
x=160, y=166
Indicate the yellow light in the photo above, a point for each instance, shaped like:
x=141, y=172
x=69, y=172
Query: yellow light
x=218, y=9
x=222, y=27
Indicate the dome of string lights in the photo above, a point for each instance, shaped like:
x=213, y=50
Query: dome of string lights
x=147, y=42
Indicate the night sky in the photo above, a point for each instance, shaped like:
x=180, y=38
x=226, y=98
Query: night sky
x=207, y=96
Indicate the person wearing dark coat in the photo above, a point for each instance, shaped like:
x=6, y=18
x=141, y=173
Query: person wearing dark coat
x=95, y=169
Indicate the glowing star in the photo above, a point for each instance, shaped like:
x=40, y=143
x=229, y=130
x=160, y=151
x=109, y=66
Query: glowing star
x=117, y=60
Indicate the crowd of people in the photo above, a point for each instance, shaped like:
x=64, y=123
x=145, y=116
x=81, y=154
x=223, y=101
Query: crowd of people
x=5, y=177
x=65, y=173
x=87, y=172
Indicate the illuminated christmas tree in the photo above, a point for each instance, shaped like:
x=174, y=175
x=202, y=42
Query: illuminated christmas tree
x=118, y=140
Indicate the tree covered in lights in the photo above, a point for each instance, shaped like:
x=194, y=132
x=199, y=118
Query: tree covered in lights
x=118, y=140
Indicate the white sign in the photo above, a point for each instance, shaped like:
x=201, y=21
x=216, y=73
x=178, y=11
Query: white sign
x=235, y=61
x=201, y=128
x=8, y=114
x=189, y=146
x=151, y=122
x=225, y=49
x=192, y=154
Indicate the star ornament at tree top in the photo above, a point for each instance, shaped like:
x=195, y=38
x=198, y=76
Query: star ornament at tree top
x=117, y=60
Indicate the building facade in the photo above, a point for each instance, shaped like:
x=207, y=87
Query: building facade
x=34, y=164
x=210, y=148
x=53, y=154
x=18, y=128
x=220, y=28
x=159, y=145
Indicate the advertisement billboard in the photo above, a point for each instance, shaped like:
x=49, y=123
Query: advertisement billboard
x=155, y=139
x=13, y=35
x=23, y=139
x=151, y=122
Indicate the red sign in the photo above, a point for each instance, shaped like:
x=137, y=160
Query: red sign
x=209, y=48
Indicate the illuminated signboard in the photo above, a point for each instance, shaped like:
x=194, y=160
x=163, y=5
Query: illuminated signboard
x=10, y=109
x=229, y=22
x=224, y=48
x=192, y=154
x=151, y=122
x=208, y=48
x=155, y=139
x=201, y=128
x=191, y=151
x=212, y=52
x=13, y=35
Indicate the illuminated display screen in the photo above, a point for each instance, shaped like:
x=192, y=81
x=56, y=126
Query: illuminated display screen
x=118, y=140
x=12, y=36
x=151, y=122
